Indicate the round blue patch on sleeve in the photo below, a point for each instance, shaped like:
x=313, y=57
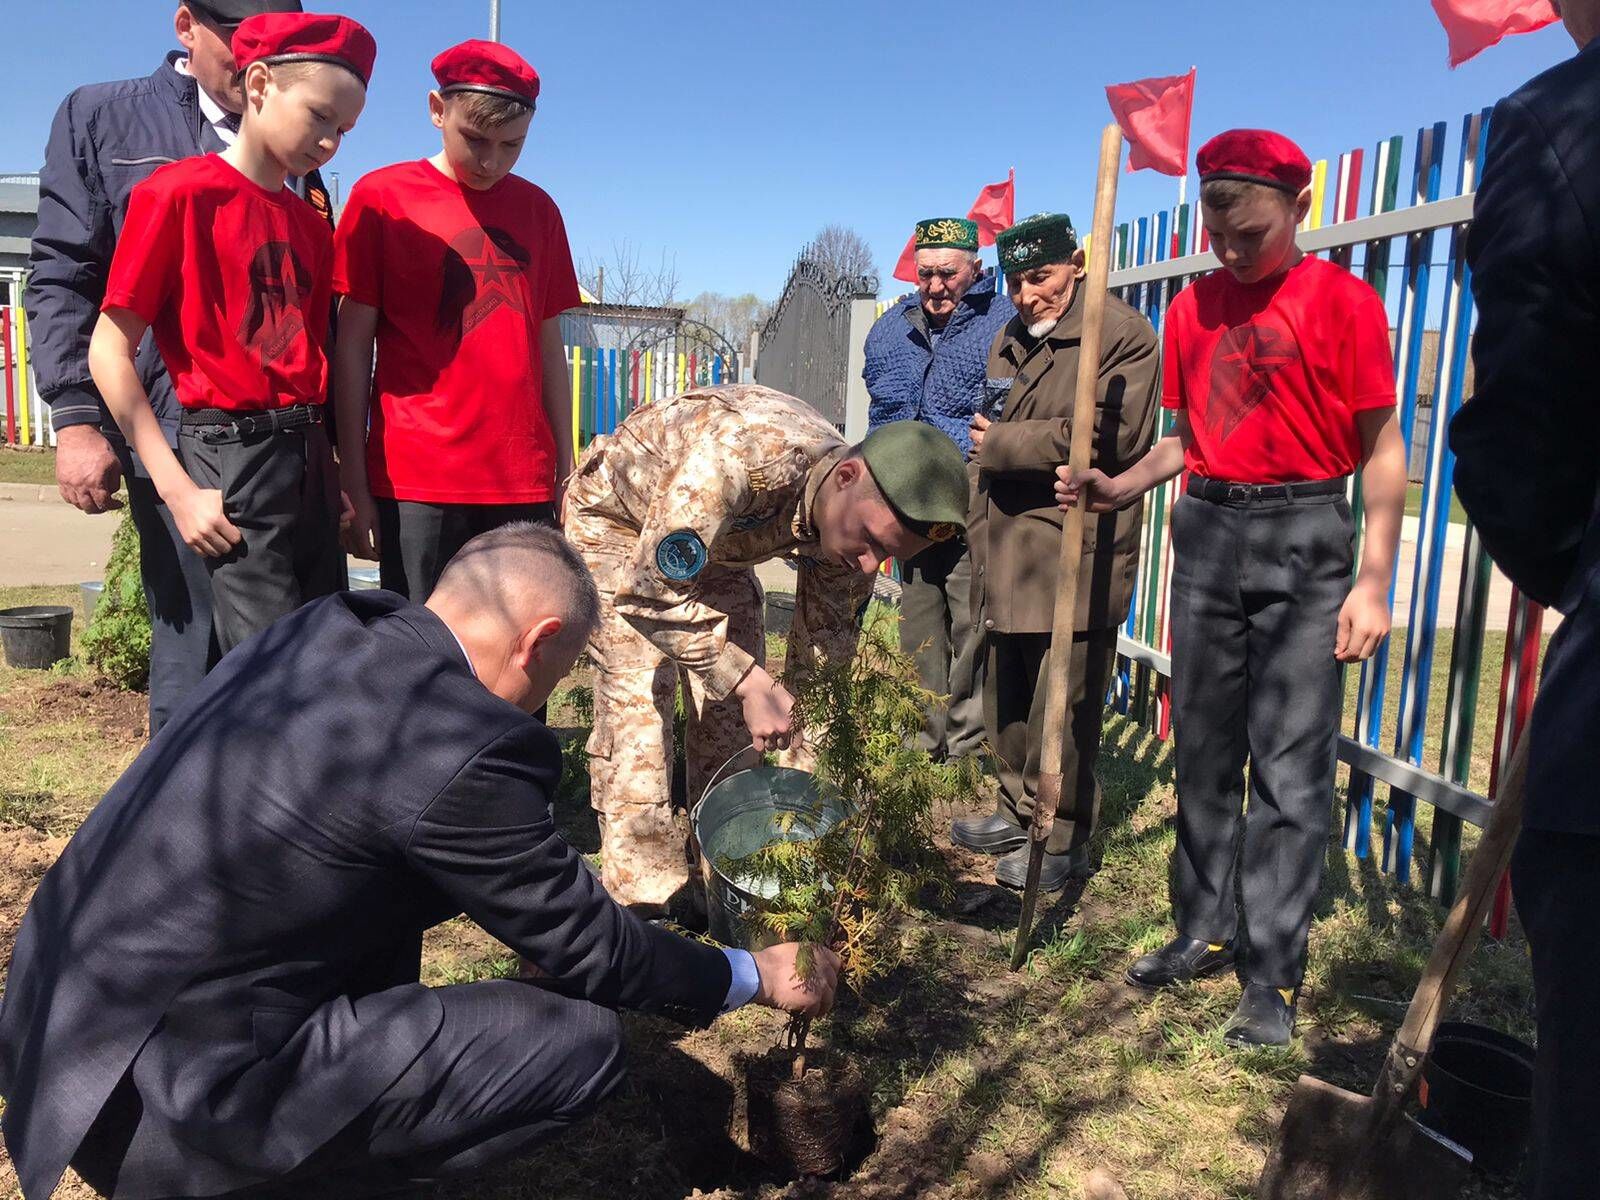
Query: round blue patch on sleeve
x=681, y=555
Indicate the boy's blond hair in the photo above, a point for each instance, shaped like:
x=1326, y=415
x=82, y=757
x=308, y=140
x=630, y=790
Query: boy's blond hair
x=1219, y=195
x=487, y=110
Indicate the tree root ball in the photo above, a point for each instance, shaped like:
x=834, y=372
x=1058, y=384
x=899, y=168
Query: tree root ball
x=820, y=1125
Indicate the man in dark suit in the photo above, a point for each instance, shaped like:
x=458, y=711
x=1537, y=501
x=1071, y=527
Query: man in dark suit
x=106, y=138
x=215, y=989
x=1528, y=472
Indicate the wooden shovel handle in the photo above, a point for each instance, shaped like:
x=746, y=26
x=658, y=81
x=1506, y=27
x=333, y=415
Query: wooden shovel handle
x=1464, y=925
x=1071, y=553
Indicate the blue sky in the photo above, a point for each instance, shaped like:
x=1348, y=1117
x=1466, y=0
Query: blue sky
x=725, y=134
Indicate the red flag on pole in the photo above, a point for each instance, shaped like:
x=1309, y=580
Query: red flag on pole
x=1475, y=25
x=1155, y=115
x=995, y=209
x=906, y=268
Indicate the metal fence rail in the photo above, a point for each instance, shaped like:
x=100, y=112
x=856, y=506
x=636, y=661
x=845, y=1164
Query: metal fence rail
x=1155, y=258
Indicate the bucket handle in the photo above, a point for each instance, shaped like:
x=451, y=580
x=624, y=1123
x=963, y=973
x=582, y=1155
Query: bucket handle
x=694, y=813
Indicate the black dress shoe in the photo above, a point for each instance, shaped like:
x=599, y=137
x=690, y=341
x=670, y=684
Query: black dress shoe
x=988, y=835
x=1264, y=1018
x=1054, y=872
x=1179, y=961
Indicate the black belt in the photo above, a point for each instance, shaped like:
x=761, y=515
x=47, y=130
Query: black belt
x=1217, y=491
x=221, y=424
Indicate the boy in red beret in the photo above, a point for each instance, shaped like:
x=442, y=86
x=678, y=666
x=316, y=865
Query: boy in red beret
x=230, y=268
x=456, y=272
x=1281, y=373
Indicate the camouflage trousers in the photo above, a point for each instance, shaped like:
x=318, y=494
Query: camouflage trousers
x=647, y=854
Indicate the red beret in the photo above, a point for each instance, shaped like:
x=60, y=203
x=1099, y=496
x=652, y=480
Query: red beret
x=1255, y=156
x=305, y=37
x=478, y=66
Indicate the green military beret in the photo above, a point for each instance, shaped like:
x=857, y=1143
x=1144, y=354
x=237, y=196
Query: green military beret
x=1036, y=242
x=947, y=233
x=922, y=476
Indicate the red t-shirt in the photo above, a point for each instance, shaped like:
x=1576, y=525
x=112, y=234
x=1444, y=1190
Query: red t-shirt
x=1274, y=373
x=461, y=280
x=235, y=282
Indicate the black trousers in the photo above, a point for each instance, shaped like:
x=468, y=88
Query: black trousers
x=1014, y=698
x=511, y=1065
x=1556, y=877
x=939, y=631
x=177, y=590
x=419, y=540
x=1256, y=593
x=281, y=491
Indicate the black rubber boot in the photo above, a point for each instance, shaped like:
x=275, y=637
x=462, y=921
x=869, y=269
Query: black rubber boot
x=988, y=835
x=1264, y=1018
x=1055, y=872
x=1179, y=961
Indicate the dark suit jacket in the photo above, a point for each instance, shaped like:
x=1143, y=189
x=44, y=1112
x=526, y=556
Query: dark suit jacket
x=1528, y=442
x=1014, y=527
x=340, y=783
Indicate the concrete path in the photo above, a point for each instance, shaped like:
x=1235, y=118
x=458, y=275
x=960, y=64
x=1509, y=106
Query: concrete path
x=43, y=540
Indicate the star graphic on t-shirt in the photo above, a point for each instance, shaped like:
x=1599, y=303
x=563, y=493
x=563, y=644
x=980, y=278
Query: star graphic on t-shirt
x=1242, y=368
x=483, y=270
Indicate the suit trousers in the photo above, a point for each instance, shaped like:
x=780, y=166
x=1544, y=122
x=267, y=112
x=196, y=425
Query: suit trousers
x=1556, y=877
x=938, y=630
x=1256, y=593
x=511, y=1065
x=281, y=490
x=1014, y=688
x=177, y=591
x=419, y=540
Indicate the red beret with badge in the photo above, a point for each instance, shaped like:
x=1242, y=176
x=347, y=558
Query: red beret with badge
x=490, y=67
x=288, y=37
x=1255, y=156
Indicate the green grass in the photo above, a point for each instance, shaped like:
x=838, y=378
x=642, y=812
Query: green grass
x=1458, y=515
x=27, y=466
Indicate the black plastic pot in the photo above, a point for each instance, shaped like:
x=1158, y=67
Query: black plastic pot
x=1477, y=1089
x=36, y=637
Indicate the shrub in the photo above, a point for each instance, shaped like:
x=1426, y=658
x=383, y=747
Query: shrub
x=117, y=642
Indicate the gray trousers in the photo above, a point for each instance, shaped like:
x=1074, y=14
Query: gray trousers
x=281, y=490
x=938, y=630
x=1256, y=593
x=1014, y=688
x=511, y=1065
x=419, y=540
x=177, y=590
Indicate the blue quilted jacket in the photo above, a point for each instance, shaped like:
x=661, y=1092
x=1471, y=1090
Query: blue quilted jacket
x=908, y=378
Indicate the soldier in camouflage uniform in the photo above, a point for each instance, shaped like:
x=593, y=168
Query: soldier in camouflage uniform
x=672, y=512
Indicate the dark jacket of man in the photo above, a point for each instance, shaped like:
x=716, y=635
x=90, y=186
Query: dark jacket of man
x=244, y=903
x=911, y=377
x=106, y=138
x=1015, y=527
x=1528, y=443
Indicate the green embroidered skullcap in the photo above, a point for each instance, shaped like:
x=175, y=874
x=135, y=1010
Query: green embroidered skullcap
x=947, y=233
x=922, y=476
x=1037, y=242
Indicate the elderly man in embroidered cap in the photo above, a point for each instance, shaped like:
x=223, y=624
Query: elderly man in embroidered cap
x=1015, y=532
x=672, y=513
x=925, y=360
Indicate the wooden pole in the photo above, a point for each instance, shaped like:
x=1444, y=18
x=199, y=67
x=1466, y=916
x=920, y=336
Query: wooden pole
x=1079, y=455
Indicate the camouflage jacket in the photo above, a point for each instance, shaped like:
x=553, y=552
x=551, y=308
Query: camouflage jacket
x=717, y=478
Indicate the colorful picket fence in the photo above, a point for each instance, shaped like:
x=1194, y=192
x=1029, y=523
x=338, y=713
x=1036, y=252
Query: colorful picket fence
x=1393, y=247
x=608, y=384
x=26, y=420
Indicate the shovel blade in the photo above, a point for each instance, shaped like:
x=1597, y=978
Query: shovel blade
x=1328, y=1149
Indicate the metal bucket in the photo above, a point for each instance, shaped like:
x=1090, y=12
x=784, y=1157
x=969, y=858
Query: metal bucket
x=741, y=815
x=37, y=636
x=91, y=593
x=363, y=579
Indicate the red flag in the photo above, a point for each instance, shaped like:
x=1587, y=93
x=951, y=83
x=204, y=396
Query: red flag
x=1155, y=115
x=1475, y=25
x=995, y=209
x=906, y=268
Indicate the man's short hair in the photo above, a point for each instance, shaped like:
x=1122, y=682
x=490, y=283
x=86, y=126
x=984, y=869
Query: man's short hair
x=525, y=557
x=487, y=110
x=1219, y=195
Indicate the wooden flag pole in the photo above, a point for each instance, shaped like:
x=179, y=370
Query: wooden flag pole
x=1083, y=406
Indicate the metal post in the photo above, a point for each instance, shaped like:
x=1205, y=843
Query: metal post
x=494, y=20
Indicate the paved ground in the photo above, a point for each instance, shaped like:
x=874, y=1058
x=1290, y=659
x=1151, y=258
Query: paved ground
x=46, y=541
